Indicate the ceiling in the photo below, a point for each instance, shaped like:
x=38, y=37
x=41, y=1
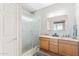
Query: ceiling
x=31, y=7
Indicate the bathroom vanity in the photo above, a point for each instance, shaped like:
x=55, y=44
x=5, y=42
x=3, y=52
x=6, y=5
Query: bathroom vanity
x=60, y=45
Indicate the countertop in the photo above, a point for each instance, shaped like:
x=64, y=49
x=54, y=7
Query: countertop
x=64, y=38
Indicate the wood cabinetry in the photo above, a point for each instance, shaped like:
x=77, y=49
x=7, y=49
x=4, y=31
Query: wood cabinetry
x=60, y=46
x=68, y=48
x=44, y=43
x=53, y=45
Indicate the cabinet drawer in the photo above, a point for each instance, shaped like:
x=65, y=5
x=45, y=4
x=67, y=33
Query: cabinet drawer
x=53, y=43
x=54, y=48
x=54, y=40
x=44, y=43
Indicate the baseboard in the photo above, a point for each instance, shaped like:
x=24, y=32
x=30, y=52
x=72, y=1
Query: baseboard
x=31, y=52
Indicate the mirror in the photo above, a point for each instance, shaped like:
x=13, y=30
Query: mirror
x=59, y=25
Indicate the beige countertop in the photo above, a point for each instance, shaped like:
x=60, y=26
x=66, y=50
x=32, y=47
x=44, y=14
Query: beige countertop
x=64, y=38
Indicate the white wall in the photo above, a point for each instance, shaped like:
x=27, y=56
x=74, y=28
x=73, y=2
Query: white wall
x=70, y=11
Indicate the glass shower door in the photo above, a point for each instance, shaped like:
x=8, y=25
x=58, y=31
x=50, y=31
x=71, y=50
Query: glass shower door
x=26, y=35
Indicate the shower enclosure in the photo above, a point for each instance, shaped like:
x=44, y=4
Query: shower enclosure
x=29, y=33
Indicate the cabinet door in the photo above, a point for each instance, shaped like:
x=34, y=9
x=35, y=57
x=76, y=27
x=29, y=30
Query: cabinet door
x=65, y=48
x=44, y=43
x=61, y=48
x=10, y=29
x=70, y=50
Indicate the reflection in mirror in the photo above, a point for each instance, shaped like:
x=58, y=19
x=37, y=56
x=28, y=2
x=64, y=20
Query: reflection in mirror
x=59, y=26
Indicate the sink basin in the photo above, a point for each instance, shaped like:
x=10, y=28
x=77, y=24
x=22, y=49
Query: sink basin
x=55, y=35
